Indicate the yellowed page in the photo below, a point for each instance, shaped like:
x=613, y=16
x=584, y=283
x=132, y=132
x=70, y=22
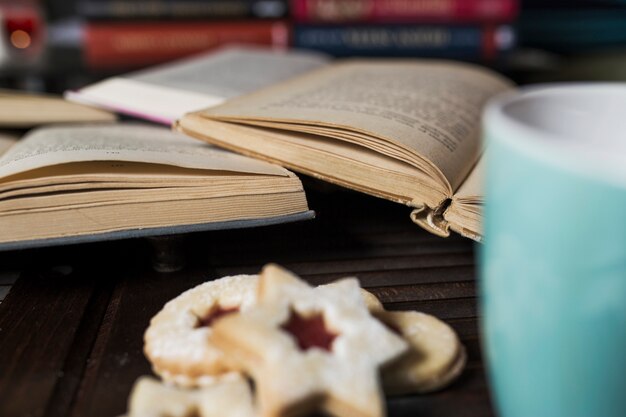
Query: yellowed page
x=18, y=109
x=472, y=187
x=339, y=162
x=80, y=221
x=429, y=107
x=123, y=142
x=7, y=140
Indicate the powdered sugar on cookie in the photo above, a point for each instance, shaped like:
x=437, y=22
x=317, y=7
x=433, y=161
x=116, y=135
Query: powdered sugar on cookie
x=223, y=398
x=177, y=340
x=335, y=370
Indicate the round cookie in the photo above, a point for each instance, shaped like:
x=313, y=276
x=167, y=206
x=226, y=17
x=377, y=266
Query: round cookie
x=226, y=397
x=435, y=357
x=177, y=340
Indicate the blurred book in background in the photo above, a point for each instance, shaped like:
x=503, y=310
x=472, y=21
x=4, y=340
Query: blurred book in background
x=563, y=29
x=475, y=30
x=182, y=9
x=386, y=11
x=121, y=35
x=121, y=45
x=473, y=43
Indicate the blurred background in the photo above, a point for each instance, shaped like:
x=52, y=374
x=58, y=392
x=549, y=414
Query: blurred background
x=56, y=45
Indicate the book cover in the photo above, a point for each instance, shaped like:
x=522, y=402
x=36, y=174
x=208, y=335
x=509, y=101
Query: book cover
x=444, y=41
x=115, y=45
x=457, y=11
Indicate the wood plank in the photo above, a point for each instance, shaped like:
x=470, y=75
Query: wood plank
x=322, y=271
x=35, y=341
x=448, y=308
x=291, y=246
x=73, y=369
x=424, y=274
x=423, y=292
x=117, y=358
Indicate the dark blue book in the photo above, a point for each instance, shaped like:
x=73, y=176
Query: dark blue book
x=573, y=31
x=572, y=4
x=182, y=9
x=442, y=41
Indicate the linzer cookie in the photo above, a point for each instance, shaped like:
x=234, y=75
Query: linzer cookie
x=177, y=340
x=435, y=357
x=230, y=397
x=309, y=348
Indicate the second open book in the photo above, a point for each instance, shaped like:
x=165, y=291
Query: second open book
x=405, y=130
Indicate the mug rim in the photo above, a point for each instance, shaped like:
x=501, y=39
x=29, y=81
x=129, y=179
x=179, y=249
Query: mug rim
x=548, y=147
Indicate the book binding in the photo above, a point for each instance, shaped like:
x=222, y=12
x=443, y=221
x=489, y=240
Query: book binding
x=432, y=220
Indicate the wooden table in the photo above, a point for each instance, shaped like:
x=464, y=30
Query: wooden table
x=71, y=327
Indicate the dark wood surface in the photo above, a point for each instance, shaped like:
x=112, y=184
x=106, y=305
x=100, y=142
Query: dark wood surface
x=71, y=327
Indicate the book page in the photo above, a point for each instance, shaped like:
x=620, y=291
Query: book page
x=429, y=107
x=128, y=142
x=7, y=139
x=232, y=71
x=472, y=187
x=23, y=110
x=165, y=93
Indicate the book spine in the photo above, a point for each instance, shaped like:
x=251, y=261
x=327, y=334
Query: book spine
x=126, y=46
x=457, y=42
x=182, y=9
x=404, y=11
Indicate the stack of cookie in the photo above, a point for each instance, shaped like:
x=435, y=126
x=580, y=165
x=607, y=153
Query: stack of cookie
x=332, y=348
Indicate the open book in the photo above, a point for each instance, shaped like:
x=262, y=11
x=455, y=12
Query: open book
x=166, y=92
x=404, y=130
x=92, y=182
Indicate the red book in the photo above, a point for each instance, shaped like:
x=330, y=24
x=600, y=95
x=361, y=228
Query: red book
x=133, y=45
x=404, y=11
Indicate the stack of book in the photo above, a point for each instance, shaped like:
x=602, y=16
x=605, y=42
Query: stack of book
x=476, y=30
x=131, y=34
x=71, y=173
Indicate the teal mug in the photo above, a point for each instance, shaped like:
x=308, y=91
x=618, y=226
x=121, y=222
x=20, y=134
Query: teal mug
x=553, y=266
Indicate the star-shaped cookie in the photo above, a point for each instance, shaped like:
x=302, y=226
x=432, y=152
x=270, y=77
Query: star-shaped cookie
x=309, y=348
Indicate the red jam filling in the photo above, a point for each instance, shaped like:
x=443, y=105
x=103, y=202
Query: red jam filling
x=214, y=314
x=309, y=331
